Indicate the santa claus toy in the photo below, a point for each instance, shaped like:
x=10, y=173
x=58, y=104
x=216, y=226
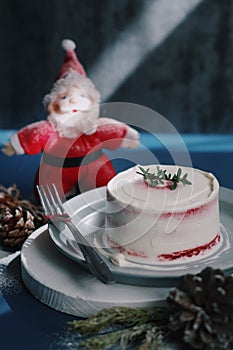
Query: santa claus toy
x=73, y=136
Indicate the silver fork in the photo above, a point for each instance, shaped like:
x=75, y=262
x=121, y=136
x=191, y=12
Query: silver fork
x=55, y=212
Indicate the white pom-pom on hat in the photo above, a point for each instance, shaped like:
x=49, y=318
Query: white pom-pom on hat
x=71, y=61
x=68, y=45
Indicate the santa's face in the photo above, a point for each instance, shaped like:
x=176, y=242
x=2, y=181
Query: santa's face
x=69, y=102
x=71, y=115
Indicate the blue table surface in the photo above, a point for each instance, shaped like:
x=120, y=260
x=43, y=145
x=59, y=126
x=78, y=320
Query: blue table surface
x=209, y=152
x=27, y=324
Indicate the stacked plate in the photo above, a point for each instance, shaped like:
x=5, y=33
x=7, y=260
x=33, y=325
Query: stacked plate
x=54, y=270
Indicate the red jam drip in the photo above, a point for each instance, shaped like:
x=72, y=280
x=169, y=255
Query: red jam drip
x=190, y=252
x=192, y=211
x=123, y=250
x=170, y=257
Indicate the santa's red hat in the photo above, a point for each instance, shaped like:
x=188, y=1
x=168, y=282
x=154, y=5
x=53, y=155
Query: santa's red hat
x=71, y=62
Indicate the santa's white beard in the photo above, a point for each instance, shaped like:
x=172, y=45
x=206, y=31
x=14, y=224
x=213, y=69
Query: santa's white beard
x=72, y=125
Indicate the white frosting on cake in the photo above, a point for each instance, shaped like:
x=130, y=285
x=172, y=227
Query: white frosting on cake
x=151, y=224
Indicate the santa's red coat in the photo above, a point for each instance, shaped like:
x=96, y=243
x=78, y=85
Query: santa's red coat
x=68, y=162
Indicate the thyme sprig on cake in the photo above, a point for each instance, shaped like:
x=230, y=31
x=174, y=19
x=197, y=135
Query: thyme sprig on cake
x=158, y=178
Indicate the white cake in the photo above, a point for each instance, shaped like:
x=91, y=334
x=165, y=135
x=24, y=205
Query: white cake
x=150, y=224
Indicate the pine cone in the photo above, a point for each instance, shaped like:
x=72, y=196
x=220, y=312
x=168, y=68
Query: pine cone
x=18, y=218
x=202, y=306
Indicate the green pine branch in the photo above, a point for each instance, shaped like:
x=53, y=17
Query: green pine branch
x=141, y=326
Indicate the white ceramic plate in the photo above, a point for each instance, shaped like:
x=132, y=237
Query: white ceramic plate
x=88, y=212
x=64, y=285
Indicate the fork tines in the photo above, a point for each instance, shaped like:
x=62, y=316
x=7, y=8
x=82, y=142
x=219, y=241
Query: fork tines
x=48, y=202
